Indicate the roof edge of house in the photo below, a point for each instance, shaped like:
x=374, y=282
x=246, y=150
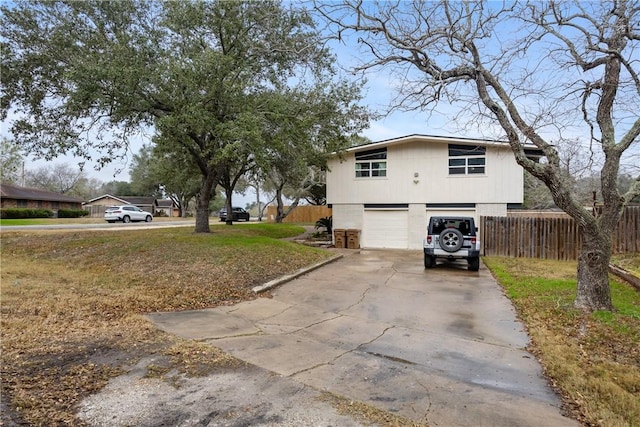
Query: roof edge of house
x=431, y=138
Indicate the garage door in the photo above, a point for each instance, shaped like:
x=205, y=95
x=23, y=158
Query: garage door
x=385, y=229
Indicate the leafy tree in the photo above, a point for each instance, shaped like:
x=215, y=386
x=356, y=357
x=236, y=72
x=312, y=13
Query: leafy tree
x=317, y=194
x=118, y=188
x=175, y=174
x=255, y=179
x=534, y=72
x=239, y=162
x=88, y=75
x=11, y=162
x=141, y=172
x=305, y=124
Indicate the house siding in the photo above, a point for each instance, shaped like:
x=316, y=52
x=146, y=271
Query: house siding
x=418, y=182
x=347, y=216
x=502, y=183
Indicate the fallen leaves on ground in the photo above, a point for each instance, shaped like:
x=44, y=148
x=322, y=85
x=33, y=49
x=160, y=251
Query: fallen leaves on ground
x=72, y=305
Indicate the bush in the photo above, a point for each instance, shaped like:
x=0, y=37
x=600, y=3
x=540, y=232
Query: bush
x=72, y=213
x=21, y=213
x=326, y=222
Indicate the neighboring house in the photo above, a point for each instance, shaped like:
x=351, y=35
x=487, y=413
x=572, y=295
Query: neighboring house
x=99, y=204
x=389, y=189
x=13, y=196
x=167, y=207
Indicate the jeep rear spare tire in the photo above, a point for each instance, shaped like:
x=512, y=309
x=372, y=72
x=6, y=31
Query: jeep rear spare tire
x=451, y=240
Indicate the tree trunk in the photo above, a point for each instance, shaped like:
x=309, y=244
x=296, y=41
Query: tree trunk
x=202, y=204
x=184, y=206
x=229, y=193
x=593, y=272
x=257, y=187
x=202, y=213
x=280, y=206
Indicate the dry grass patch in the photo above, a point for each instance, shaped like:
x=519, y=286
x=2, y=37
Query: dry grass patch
x=593, y=360
x=629, y=262
x=72, y=305
x=367, y=414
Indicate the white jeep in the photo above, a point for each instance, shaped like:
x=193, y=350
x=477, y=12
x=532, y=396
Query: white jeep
x=452, y=237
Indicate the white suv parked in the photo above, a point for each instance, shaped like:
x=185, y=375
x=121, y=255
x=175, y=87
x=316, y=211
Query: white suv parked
x=452, y=238
x=126, y=213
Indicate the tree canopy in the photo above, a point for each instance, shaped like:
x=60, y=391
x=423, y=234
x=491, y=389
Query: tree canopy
x=84, y=77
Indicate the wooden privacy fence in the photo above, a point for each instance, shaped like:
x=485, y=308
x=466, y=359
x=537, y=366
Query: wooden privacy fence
x=309, y=214
x=550, y=238
x=95, y=211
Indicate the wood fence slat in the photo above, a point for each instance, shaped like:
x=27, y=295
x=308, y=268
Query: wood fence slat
x=551, y=237
x=308, y=214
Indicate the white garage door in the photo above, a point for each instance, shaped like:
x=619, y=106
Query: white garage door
x=385, y=229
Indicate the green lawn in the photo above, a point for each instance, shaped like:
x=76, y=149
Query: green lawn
x=592, y=359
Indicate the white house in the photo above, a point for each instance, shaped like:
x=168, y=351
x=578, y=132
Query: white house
x=389, y=189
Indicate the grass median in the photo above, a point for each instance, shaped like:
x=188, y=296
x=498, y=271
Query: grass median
x=593, y=360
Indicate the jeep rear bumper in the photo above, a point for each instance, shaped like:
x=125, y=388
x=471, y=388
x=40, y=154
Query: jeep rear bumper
x=469, y=253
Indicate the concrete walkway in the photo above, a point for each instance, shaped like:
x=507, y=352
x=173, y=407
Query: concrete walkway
x=440, y=346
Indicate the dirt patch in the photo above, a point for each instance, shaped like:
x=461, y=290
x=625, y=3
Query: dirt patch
x=245, y=395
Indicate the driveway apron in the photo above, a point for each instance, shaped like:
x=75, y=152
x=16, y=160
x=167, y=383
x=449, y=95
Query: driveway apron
x=441, y=346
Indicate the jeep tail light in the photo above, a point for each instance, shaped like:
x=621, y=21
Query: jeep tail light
x=429, y=239
x=473, y=240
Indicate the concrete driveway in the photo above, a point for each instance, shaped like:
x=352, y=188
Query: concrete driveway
x=441, y=346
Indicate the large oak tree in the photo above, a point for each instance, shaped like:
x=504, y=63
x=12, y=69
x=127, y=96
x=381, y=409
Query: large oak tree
x=539, y=72
x=84, y=77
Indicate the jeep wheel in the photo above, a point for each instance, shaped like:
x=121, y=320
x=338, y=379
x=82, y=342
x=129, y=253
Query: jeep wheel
x=474, y=263
x=429, y=261
x=451, y=240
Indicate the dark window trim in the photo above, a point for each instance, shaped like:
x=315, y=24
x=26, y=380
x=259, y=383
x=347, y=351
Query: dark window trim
x=450, y=205
x=467, y=150
x=386, y=205
x=359, y=155
x=534, y=154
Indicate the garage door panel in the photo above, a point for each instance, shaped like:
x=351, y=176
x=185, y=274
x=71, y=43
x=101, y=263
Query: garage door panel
x=385, y=229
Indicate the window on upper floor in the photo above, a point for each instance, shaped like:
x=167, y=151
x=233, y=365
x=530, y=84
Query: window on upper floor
x=466, y=159
x=372, y=163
